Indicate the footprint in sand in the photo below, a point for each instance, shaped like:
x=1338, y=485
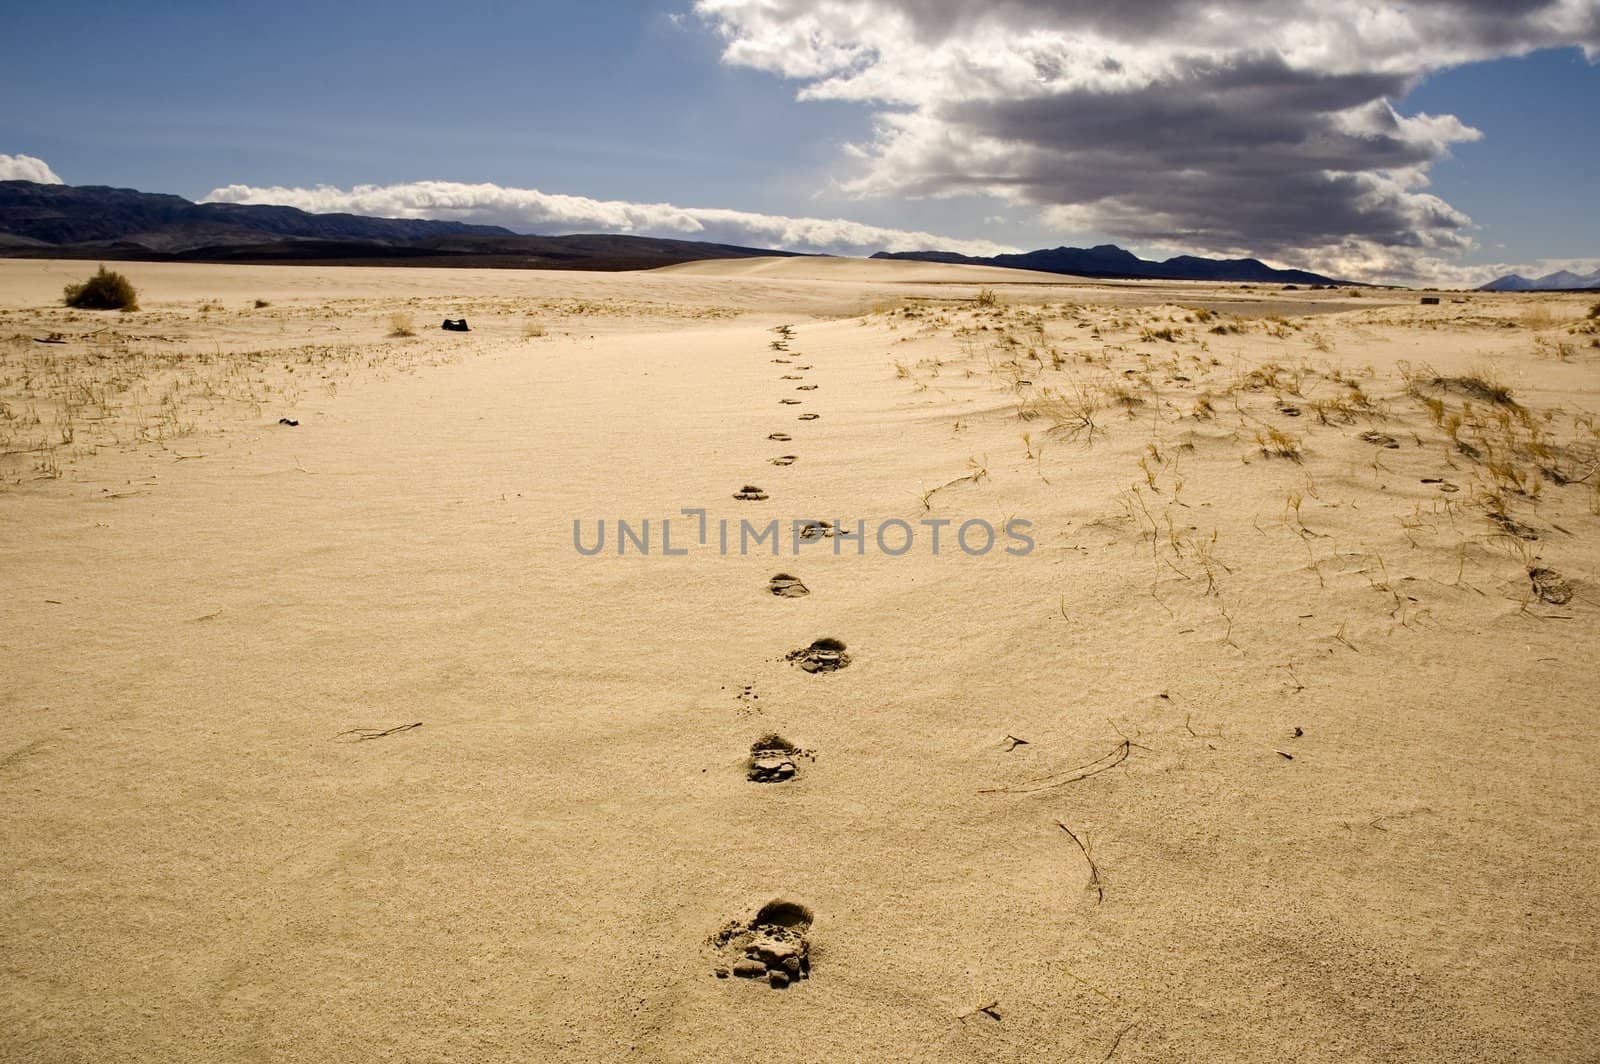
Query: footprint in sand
x=802, y=368
x=789, y=402
x=816, y=530
x=1548, y=584
x=750, y=493
x=784, y=361
x=1381, y=439
x=774, y=946
x=772, y=760
x=824, y=655
x=805, y=387
x=781, y=437
x=791, y=377
x=809, y=417
x=785, y=586
x=784, y=459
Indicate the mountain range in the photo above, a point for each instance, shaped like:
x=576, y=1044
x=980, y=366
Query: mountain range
x=1560, y=281
x=1110, y=261
x=96, y=222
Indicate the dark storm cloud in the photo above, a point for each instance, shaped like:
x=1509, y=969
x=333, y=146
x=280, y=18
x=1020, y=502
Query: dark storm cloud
x=1251, y=124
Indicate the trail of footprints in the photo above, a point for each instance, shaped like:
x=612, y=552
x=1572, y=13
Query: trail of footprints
x=774, y=946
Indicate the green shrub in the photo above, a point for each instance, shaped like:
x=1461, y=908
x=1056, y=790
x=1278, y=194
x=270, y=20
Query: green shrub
x=106, y=290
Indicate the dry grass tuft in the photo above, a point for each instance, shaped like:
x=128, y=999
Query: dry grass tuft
x=1537, y=316
x=1480, y=384
x=402, y=324
x=1275, y=443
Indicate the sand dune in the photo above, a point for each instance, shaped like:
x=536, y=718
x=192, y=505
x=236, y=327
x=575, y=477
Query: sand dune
x=326, y=742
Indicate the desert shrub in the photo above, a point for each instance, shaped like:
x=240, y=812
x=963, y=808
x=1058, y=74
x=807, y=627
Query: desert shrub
x=1594, y=311
x=402, y=324
x=106, y=290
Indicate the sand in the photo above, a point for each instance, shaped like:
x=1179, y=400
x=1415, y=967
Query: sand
x=1309, y=768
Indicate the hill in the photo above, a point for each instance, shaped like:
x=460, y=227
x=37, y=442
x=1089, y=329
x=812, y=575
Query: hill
x=113, y=224
x=1560, y=281
x=1110, y=261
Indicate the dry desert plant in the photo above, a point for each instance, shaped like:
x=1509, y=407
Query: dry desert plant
x=401, y=324
x=1275, y=443
x=106, y=290
x=1480, y=384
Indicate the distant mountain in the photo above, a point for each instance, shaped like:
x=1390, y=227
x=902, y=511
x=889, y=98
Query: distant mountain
x=70, y=214
x=1110, y=261
x=1511, y=282
x=96, y=222
x=1560, y=281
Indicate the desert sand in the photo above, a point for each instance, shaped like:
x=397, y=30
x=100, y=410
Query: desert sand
x=1279, y=744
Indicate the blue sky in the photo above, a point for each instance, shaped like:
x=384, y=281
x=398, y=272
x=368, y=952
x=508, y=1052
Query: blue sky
x=1532, y=181
x=647, y=103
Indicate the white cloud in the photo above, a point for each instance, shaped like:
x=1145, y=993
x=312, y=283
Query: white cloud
x=529, y=210
x=1450, y=275
x=1262, y=126
x=27, y=168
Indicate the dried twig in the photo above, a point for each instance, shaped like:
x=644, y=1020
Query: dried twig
x=1094, y=883
x=1117, y=1041
x=359, y=735
x=991, y=1010
x=1072, y=775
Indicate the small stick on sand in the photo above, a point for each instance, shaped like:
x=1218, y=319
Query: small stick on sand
x=1117, y=1041
x=1094, y=883
x=359, y=735
x=991, y=1010
x=1072, y=775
